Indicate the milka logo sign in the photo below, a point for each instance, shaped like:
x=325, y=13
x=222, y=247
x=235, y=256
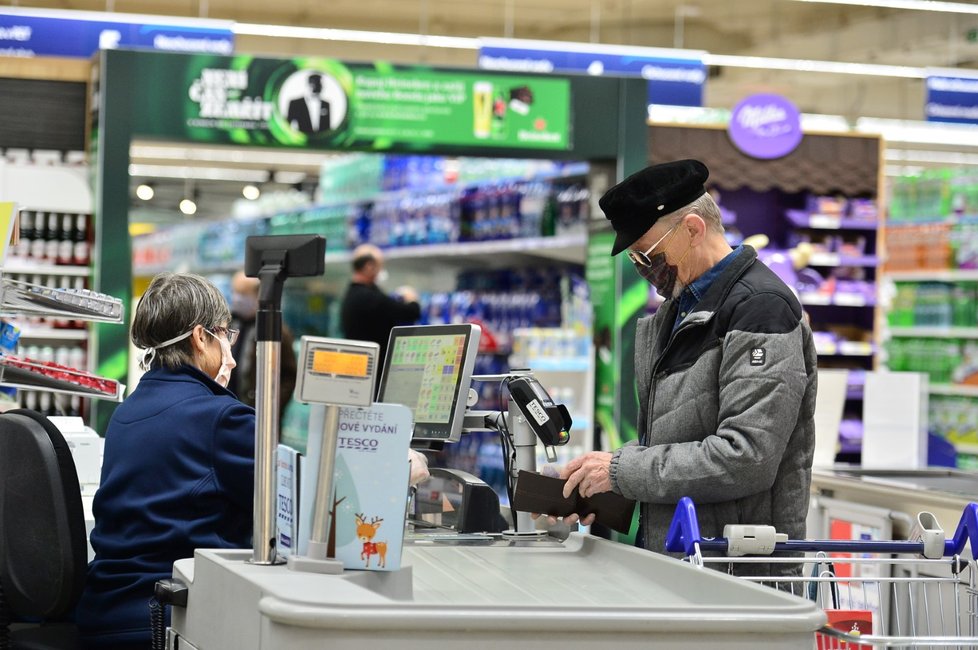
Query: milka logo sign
x=767, y=120
x=765, y=126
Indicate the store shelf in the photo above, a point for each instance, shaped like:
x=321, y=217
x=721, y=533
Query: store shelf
x=934, y=275
x=802, y=219
x=557, y=364
x=953, y=389
x=568, y=171
x=847, y=349
x=834, y=259
x=935, y=332
x=837, y=299
x=563, y=248
x=26, y=267
x=53, y=334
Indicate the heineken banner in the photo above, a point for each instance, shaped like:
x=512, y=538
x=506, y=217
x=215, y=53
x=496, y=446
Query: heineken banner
x=324, y=103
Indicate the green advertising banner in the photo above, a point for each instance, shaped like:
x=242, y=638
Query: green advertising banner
x=324, y=103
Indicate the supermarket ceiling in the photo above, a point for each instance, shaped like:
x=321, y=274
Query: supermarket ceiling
x=765, y=28
x=785, y=29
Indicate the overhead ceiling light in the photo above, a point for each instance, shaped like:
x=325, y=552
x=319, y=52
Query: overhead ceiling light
x=912, y=132
x=913, y=5
x=188, y=207
x=355, y=36
x=200, y=173
x=807, y=65
x=250, y=192
x=252, y=156
x=145, y=192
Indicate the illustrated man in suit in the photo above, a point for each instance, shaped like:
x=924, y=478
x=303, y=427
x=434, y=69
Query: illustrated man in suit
x=310, y=113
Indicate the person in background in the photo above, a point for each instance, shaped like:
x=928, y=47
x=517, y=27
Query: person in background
x=178, y=468
x=725, y=369
x=367, y=313
x=244, y=309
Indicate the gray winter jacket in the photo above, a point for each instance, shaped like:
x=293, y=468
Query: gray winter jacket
x=727, y=406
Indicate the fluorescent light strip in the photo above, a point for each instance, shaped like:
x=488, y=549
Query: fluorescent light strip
x=114, y=17
x=913, y=5
x=231, y=155
x=355, y=36
x=807, y=65
x=911, y=132
x=200, y=173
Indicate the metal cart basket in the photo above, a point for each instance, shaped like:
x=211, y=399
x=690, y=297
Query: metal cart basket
x=919, y=593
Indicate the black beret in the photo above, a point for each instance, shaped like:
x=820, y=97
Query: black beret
x=635, y=204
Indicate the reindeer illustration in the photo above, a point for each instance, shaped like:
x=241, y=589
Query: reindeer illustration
x=365, y=533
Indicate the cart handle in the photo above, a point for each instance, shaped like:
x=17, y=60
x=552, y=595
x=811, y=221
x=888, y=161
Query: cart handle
x=684, y=536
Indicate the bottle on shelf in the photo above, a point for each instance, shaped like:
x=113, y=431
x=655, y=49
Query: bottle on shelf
x=52, y=239
x=81, y=247
x=38, y=243
x=66, y=244
x=23, y=248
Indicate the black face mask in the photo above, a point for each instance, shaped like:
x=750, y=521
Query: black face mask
x=660, y=274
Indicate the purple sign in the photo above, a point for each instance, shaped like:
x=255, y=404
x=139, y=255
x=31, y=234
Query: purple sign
x=765, y=126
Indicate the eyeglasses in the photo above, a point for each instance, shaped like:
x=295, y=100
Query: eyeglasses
x=642, y=259
x=229, y=332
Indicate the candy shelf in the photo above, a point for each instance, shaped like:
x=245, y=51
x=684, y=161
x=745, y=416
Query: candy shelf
x=31, y=374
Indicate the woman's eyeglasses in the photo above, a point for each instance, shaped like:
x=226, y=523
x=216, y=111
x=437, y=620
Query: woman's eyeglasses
x=229, y=332
x=642, y=259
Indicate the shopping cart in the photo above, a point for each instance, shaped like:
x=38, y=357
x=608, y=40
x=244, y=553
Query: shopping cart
x=906, y=594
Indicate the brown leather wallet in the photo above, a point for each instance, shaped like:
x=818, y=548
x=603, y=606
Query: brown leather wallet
x=545, y=494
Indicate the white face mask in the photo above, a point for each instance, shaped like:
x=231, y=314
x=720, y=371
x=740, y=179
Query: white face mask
x=383, y=276
x=227, y=360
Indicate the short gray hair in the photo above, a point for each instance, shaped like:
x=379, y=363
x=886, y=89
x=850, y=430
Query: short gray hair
x=705, y=207
x=173, y=304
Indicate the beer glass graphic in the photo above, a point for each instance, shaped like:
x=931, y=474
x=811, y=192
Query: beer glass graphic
x=482, y=109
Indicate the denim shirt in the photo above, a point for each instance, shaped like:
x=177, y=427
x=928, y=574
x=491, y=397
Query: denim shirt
x=698, y=287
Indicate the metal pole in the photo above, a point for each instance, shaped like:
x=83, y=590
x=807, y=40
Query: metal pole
x=525, y=443
x=318, y=539
x=266, y=448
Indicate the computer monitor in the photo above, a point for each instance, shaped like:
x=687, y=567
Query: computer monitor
x=429, y=369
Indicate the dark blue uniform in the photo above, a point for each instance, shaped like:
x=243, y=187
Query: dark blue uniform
x=177, y=475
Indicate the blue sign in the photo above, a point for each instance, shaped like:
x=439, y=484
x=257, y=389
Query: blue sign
x=73, y=34
x=952, y=99
x=673, y=78
x=765, y=126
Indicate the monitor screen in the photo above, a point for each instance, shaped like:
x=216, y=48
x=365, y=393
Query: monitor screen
x=429, y=369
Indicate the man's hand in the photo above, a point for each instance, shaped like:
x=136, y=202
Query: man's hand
x=588, y=474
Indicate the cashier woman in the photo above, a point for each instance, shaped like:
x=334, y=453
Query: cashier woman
x=725, y=372
x=178, y=465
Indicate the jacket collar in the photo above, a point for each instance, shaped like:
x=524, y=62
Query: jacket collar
x=187, y=373
x=721, y=286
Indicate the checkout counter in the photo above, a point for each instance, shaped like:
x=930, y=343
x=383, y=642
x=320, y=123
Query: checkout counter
x=579, y=593
x=518, y=588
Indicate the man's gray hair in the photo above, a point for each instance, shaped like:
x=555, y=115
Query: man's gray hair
x=174, y=304
x=705, y=207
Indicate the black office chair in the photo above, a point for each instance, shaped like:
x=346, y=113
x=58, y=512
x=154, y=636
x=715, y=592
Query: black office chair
x=43, y=550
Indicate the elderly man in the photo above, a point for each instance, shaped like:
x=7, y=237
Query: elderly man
x=726, y=371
